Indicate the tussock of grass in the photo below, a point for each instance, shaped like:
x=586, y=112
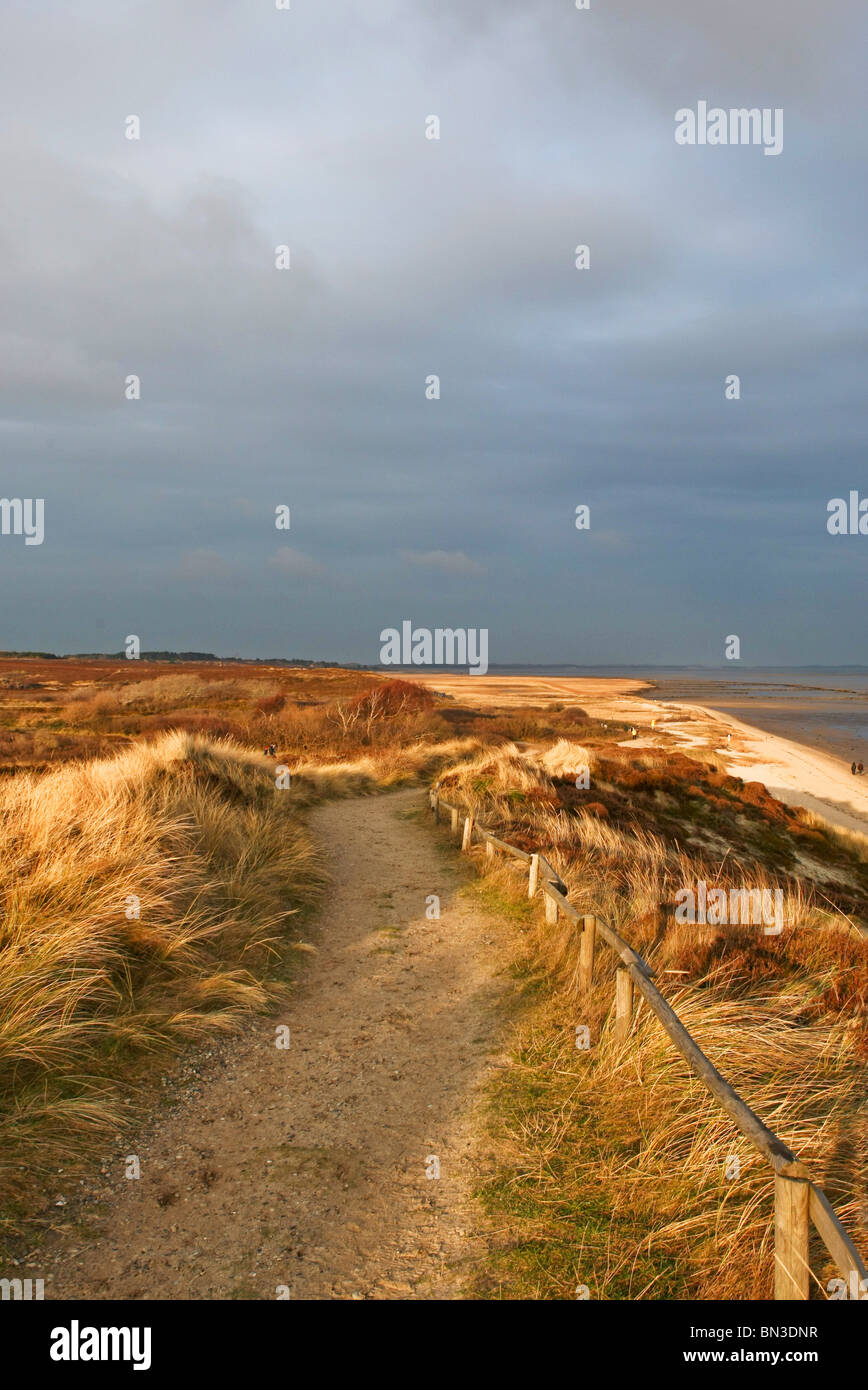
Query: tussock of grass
x=850, y=840
x=565, y=759
x=219, y=863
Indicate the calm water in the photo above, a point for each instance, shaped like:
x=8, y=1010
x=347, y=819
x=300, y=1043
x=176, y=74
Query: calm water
x=824, y=708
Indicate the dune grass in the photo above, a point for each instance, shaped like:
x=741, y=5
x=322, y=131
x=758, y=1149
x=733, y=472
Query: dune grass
x=383, y=767
x=614, y=1170
x=148, y=901
x=145, y=901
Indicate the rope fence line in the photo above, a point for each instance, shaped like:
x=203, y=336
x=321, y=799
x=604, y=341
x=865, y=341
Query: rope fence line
x=798, y=1200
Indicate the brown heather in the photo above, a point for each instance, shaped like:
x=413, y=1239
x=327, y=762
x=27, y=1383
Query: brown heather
x=611, y=1164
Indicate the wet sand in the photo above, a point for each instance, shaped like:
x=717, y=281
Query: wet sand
x=827, y=711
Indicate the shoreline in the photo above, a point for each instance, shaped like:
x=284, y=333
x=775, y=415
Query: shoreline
x=820, y=727
x=796, y=773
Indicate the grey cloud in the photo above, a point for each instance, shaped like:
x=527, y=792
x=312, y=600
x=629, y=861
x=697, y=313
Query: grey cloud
x=448, y=561
x=410, y=257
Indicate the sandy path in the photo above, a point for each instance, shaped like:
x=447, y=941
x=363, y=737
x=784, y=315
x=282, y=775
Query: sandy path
x=306, y=1167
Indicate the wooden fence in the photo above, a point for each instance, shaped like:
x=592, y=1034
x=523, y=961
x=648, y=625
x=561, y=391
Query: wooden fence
x=798, y=1200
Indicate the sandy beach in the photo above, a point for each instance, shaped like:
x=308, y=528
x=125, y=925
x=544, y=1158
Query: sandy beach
x=794, y=772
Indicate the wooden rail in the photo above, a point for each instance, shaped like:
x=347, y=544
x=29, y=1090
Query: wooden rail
x=798, y=1198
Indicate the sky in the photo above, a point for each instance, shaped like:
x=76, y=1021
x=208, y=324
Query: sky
x=410, y=258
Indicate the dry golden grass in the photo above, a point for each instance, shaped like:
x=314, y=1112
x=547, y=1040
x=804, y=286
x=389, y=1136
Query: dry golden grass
x=176, y=691
x=147, y=903
x=384, y=767
x=565, y=759
x=92, y=979
x=612, y=1163
x=54, y=710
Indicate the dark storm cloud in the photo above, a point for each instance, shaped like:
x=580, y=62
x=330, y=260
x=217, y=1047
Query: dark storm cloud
x=410, y=258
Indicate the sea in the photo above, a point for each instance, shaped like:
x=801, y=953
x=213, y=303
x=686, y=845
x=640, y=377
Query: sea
x=823, y=707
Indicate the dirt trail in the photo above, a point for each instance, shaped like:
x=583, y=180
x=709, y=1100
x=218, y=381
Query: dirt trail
x=306, y=1167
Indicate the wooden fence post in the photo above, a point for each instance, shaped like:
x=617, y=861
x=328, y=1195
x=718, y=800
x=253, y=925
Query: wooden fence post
x=798, y=1200
x=623, y=1005
x=587, y=946
x=792, y=1238
x=533, y=876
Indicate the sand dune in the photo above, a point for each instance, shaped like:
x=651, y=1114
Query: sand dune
x=793, y=772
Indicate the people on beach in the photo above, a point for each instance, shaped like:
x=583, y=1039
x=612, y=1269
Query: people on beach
x=853, y=769
x=859, y=768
